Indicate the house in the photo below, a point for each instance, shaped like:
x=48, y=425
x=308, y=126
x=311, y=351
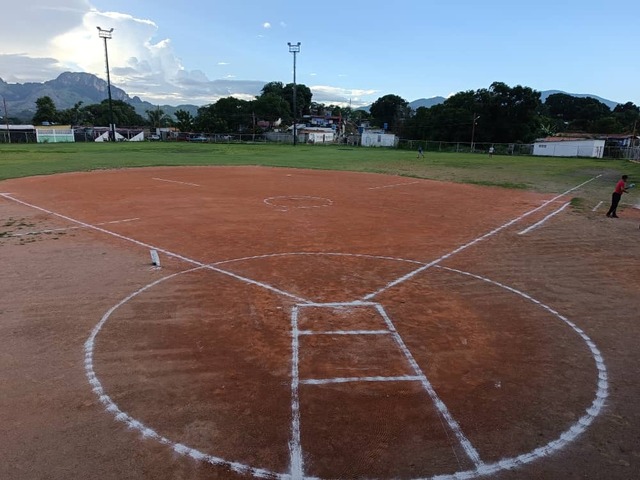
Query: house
x=378, y=138
x=316, y=135
x=569, y=147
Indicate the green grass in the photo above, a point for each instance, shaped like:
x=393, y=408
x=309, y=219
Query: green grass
x=544, y=174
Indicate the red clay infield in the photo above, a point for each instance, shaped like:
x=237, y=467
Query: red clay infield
x=303, y=324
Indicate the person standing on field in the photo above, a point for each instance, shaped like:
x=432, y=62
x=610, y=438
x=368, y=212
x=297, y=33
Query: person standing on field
x=621, y=187
x=420, y=152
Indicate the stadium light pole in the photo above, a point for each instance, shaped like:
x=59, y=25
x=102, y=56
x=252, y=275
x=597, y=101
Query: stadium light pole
x=473, y=129
x=295, y=49
x=106, y=35
x=6, y=119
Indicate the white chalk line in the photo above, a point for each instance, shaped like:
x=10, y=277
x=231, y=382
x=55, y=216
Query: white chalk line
x=472, y=242
x=568, y=435
x=52, y=230
x=392, y=186
x=486, y=469
x=326, y=381
x=295, y=444
x=537, y=224
x=444, y=414
x=466, y=445
x=297, y=465
x=134, y=424
x=344, y=332
x=597, y=206
x=162, y=250
x=176, y=181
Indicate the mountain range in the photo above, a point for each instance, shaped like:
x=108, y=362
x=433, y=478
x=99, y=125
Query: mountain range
x=70, y=88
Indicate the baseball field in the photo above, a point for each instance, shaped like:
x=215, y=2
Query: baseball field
x=176, y=311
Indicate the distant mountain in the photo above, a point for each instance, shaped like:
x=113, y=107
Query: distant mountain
x=69, y=89
x=609, y=103
x=426, y=102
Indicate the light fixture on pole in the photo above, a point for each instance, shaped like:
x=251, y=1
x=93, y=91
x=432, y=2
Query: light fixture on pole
x=295, y=49
x=473, y=130
x=106, y=35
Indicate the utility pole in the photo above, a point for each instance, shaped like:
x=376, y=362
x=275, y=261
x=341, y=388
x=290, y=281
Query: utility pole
x=106, y=35
x=295, y=49
x=473, y=130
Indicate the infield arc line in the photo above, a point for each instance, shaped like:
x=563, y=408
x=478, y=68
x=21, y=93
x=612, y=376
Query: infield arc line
x=486, y=469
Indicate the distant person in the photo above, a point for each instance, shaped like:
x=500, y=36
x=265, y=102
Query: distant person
x=621, y=187
x=491, y=151
x=420, y=152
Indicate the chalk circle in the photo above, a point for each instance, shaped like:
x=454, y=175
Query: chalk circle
x=483, y=469
x=287, y=202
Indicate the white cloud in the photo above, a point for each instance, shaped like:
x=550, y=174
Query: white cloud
x=342, y=96
x=64, y=37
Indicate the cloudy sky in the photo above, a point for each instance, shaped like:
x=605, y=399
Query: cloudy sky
x=196, y=51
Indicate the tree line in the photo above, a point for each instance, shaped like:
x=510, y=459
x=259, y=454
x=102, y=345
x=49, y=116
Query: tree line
x=499, y=114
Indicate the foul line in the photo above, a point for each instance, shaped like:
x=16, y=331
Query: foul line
x=471, y=243
x=597, y=206
x=537, y=224
x=176, y=181
x=162, y=250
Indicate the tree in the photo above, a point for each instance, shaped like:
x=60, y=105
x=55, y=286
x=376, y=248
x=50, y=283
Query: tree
x=185, y=120
x=391, y=110
x=72, y=116
x=45, y=111
x=123, y=114
x=272, y=107
x=157, y=118
x=273, y=87
x=303, y=98
x=579, y=114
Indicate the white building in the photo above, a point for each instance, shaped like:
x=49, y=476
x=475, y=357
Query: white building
x=316, y=135
x=372, y=138
x=569, y=147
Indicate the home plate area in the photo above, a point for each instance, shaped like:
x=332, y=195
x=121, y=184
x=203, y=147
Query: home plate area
x=320, y=366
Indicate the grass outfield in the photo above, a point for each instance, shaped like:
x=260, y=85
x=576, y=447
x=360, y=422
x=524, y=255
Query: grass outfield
x=544, y=174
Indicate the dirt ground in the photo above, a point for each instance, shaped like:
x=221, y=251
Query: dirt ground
x=310, y=324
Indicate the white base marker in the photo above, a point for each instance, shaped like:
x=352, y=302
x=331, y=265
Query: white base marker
x=155, y=259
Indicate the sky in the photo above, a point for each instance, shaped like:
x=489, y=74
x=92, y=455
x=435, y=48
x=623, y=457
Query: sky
x=197, y=51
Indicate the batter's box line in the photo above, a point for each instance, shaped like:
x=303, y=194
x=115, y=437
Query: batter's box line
x=344, y=332
x=295, y=444
x=326, y=381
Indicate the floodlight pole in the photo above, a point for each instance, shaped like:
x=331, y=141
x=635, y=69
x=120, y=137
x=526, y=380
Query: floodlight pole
x=106, y=35
x=473, y=129
x=294, y=48
x=6, y=118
